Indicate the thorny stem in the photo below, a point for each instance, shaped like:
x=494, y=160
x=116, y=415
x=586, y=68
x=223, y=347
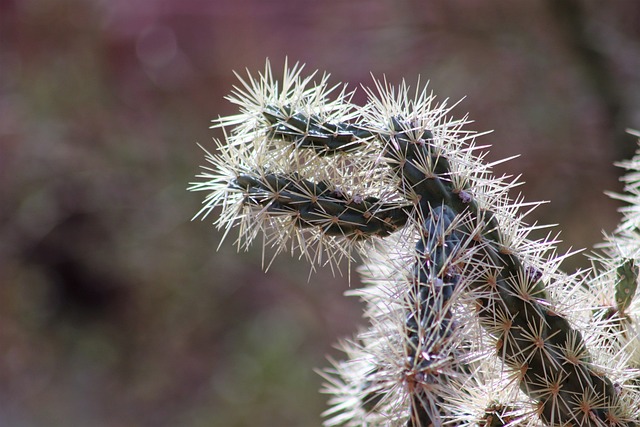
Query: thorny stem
x=533, y=339
x=314, y=204
x=532, y=343
x=438, y=195
x=323, y=137
x=433, y=286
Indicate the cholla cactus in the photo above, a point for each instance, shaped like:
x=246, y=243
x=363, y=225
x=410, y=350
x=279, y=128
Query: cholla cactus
x=471, y=322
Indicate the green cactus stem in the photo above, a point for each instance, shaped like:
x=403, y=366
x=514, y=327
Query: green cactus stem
x=549, y=356
x=537, y=343
x=317, y=204
x=429, y=321
x=311, y=131
x=627, y=284
x=452, y=277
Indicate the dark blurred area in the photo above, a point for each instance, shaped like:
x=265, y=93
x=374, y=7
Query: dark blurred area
x=116, y=310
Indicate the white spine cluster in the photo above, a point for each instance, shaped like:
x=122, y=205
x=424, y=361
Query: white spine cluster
x=471, y=322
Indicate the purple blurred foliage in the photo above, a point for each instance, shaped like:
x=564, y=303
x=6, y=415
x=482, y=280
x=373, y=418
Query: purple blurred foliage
x=116, y=310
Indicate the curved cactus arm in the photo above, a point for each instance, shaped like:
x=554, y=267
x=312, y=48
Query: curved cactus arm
x=404, y=369
x=317, y=204
x=312, y=131
x=514, y=305
x=429, y=321
x=273, y=174
x=613, y=290
x=326, y=174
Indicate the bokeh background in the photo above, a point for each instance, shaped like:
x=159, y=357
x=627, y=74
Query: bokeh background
x=116, y=310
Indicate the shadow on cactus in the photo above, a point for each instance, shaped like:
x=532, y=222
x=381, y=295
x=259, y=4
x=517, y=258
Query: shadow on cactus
x=470, y=321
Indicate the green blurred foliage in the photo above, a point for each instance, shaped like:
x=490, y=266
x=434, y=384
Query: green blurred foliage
x=116, y=310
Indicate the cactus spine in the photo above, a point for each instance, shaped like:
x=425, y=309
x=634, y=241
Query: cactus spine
x=470, y=321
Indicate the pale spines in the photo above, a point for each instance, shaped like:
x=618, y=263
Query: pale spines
x=323, y=177
x=287, y=169
x=314, y=131
x=412, y=359
x=612, y=331
x=531, y=334
x=613, y=292
x=430, y=323
x=262, y=97
x=425, y=360
x=317, y=204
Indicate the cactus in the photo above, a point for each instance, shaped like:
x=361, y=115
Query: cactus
x=471, y=322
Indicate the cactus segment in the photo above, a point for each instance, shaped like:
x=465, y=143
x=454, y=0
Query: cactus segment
x=429, y=321
x=627, y=284
x=318, y=205
x=310, y=131
x=532, y=341
x=452, y=276
x=498, y=415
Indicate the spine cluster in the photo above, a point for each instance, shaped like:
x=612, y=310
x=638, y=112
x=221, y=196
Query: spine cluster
x=471, y=321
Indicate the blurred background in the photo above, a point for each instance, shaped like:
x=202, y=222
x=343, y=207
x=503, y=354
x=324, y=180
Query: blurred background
x=116, y=310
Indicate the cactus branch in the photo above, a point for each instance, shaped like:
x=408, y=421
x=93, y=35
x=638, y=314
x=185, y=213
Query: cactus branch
x=471, y=322
x=312, y=204
x=311, y=132
x=568, y=390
